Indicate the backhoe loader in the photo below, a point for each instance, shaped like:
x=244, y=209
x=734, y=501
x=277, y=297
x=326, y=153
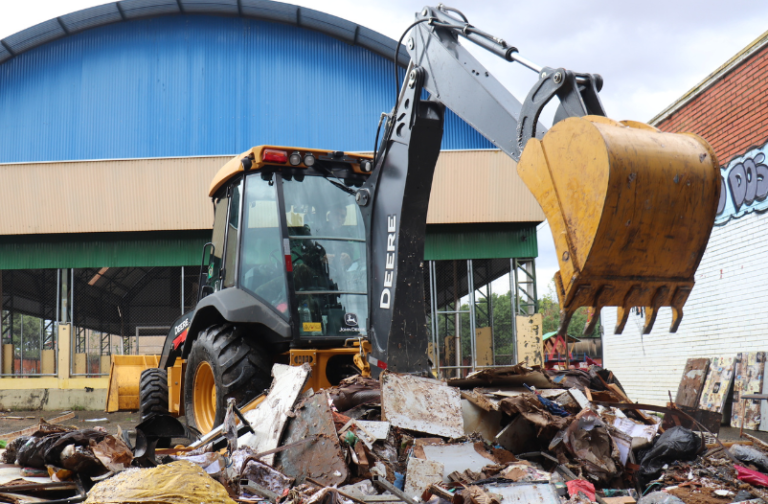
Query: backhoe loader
x=317, y=255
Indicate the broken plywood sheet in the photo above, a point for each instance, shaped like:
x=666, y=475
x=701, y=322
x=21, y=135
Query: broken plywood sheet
x=484, y=401
x=747, y=379
x=692, y=382
x=717, y=384
x=268, y=419
x=421, y=404
x=321, y=459
x=456, y=457
x=530, y=346
x=421, y=474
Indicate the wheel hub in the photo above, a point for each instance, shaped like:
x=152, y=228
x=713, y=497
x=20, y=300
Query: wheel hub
x=204, y=405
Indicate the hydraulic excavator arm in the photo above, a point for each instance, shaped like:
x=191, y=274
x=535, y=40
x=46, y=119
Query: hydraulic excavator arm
x=630, y=208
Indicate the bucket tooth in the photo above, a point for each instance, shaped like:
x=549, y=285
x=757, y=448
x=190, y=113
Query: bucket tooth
x=622, y=315
x=565, y=319
x=650, y=319
x=678, y=300
x=591, y=323
x=652, y=311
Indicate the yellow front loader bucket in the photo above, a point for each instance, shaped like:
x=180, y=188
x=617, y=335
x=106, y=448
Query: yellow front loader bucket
x=630, y=208
x=124, y=377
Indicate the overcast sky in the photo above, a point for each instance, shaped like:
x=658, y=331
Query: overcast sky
x=649, y=53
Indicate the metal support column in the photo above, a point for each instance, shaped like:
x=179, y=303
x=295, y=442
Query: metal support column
x=472, y=308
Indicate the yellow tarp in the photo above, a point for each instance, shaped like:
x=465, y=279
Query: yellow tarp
x=179, y=482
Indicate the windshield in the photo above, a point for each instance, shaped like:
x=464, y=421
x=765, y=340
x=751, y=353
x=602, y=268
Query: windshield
x=327, y=239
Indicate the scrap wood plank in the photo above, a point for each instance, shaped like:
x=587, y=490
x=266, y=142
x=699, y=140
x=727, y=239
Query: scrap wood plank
x=717, y=384
x=268, y=419
x=67, y=415
x=692, y=382
x=747, y=379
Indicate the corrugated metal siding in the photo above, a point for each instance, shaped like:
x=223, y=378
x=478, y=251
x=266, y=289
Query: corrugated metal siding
x=98, y=250
x=107, y=196
x=191, y=85
x=478, y=241
x=480, y=186
x=163, y=194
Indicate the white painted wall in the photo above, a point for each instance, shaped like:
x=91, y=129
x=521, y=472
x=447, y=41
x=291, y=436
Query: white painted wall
x=726, y=313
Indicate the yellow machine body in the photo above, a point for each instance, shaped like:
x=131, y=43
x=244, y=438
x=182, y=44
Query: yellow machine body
x=124, y=376
x=630, y=208
x=126, y=371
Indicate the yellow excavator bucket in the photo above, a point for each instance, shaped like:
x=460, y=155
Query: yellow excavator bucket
x=631, y=209
x=124, y=376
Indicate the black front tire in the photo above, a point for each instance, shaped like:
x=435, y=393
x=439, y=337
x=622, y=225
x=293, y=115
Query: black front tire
x=153, y=392
x=241, y=370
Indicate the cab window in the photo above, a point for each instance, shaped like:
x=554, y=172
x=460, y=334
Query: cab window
x=262, y=263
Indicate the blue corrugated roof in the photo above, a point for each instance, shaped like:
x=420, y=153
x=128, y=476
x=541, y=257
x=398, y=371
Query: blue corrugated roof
x=188, y=85
x=267, y=10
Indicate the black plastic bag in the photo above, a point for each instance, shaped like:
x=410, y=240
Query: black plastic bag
x=12, y=450
x=750, y=455
x=677, y=443
x=32, y=453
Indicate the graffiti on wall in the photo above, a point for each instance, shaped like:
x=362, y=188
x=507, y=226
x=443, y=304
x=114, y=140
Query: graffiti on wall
x=745, y=186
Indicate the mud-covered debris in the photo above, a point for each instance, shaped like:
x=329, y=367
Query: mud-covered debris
x=422, y=405
x=269, y=418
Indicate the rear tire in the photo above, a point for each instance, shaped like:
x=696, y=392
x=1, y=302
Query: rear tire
x=223, y=362
x=153, y=392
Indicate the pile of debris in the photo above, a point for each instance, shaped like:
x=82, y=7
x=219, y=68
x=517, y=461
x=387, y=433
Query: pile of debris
x=498, y=436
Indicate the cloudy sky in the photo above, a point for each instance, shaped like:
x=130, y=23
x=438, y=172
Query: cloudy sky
x=649, y=53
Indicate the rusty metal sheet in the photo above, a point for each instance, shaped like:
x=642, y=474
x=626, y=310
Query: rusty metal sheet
x=321, y=460
x=747, y=379
x=421, y=404
x=689, y=390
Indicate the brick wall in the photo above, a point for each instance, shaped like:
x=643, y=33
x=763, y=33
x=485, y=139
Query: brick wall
x=732, y=114
x=726, y=313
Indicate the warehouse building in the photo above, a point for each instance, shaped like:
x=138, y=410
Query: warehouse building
x=725, y=313
x=114, y=119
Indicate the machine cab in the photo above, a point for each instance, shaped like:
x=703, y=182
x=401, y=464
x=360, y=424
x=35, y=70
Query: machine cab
x=288, y=232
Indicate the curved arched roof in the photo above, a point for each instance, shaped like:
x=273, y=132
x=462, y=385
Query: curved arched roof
x=127, y=10
x=179, y=78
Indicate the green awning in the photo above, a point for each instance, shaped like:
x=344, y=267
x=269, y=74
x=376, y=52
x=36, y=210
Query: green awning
x=481, y=241
x=184, y=248
x=98, y=250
